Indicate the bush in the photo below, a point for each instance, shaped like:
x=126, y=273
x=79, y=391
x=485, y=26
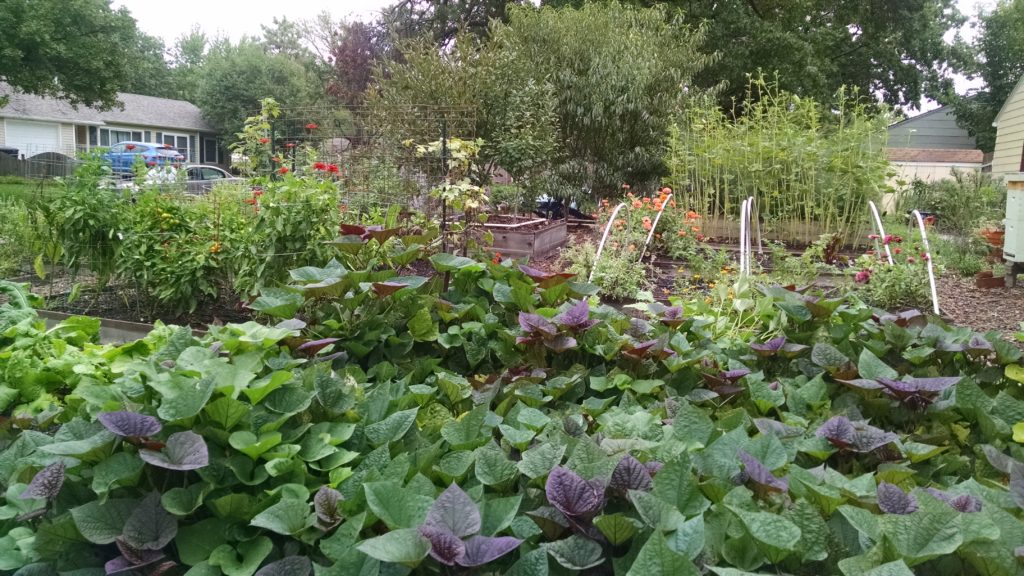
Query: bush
x=618, y=273
x=961, y=202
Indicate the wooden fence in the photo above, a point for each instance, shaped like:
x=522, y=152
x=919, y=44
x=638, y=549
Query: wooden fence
x=45, y=165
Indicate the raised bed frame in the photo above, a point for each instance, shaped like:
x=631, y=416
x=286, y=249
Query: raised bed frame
x=512, y=240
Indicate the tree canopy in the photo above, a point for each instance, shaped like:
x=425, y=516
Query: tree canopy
x=999, y=61
x=892, y=49
x=78, y=50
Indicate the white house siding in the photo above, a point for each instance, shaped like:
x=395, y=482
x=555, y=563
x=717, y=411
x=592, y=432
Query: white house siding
x=67, y=139
x=3, y=132
x=927, y=171
x=1006, y=157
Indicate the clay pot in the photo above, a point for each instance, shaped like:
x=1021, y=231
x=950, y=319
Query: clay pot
x=994, y=236
x=985, y=280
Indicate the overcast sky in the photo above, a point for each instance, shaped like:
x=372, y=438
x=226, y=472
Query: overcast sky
x=234, y=18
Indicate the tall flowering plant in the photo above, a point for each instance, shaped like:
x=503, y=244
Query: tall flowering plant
x=904, y=283
x=677, y=234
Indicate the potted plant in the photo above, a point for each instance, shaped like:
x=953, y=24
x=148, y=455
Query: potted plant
x=992, y=232
x=994, y=278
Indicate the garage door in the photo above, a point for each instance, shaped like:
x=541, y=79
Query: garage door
x=31, y=138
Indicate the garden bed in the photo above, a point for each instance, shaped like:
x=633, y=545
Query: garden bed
x=517, y=236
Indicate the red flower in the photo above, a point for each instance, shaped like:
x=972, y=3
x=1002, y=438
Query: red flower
x=862, y=277
x=282, y=170
x=250, y=201
x=910, y=259
x=332, y=168
x=264, y=140
x=311, y=126
x=897, y=250
x=290, y=145
x=129, y=146
x=276, y=159
x=873, y=236
x=257, y=193
x=319, y=166
x=497, y=258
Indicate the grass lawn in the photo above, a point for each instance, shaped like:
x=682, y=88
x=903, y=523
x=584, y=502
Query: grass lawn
x=14, y=187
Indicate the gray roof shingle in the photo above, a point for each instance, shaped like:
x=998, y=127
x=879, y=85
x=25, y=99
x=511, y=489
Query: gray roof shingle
x=138, y=110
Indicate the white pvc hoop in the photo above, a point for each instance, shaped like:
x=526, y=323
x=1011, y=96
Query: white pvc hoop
x=750, y=244
x=881, y=231
x=654, y=227
x=928, y=258
x=743, y=238
x=604, y=238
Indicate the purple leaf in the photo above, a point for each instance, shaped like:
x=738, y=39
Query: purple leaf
x=483, y=549
x=734, y=375
x=445, y=547
x=653, y=467
x=630, y=474
x=960, y=503
x=560, y=343
x=130, y=424
x=576, y=318
x=123, y=564
x=325, y=502
x=769, y=348
x=572, y=495
x=536, y=324
x=648, y=349
x=854, y=436
x=916, y=392
x=455, y=512
x=46, y=483
x=313, y=347
x=290, y=566
x=761, y=475
x=545, y=279
x=893, y=500
x=149, y=527
x=673, y=317
x=183, y=451
x=978, y=346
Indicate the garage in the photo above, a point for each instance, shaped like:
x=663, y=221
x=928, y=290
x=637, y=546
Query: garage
x=31, y=138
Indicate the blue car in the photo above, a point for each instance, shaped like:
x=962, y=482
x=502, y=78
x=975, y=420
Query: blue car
x=122, y=156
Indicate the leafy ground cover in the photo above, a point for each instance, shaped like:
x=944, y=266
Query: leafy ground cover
x=499, y=419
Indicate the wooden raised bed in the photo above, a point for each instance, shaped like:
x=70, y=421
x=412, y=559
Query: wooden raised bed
x=519, y=236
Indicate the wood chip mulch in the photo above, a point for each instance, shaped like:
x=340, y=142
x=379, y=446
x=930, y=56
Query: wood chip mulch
x=981, y=309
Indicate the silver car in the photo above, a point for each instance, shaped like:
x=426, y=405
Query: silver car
x=202, y=178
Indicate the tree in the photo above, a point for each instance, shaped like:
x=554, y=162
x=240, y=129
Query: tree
x=999, y=61
x=150, y=73
x=618, y=73
x=442, y=20
x=236, y=76
x=356, y=49
x=894, y=50
x=187, y=58
x=77, y=50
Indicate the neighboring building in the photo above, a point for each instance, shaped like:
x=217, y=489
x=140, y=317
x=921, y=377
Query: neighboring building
x=1008, y=155
x=928, y=146
x=35, y=125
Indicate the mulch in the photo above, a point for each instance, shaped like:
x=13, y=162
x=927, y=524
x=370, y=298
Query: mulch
x=964, y=304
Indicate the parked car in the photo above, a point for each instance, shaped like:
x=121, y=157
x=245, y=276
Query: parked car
x=202, y=178
x=122, y=156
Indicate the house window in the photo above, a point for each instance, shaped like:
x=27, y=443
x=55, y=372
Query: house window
x=210, y=150
x=111, y=136
x=176, y=141
x=93, y=138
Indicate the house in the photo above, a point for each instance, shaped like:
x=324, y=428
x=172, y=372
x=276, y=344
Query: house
x=34, y=125
x=1008, y=154
x=928, y=146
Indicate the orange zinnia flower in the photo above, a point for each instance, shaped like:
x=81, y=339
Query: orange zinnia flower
x=646, y=200
x=691, y=215
x=647, y=223
x=682, y=233
x=695, y=228
x=637, y=204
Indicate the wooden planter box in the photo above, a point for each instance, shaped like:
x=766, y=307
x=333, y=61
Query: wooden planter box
x=524, y=238
x=984, y=279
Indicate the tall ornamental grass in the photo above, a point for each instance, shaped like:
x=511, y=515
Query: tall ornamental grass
x=811, y=167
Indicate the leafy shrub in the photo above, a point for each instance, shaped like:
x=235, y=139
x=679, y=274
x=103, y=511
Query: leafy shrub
x=618, y=273
x=17, y=236
x=960, y=202
x=963, y=255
